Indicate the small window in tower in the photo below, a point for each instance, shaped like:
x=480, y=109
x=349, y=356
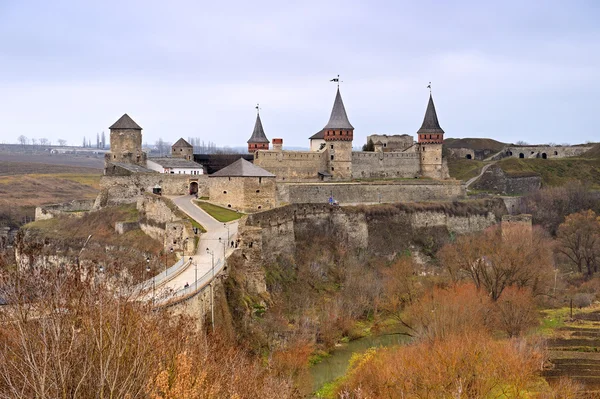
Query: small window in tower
x=257, y=191
x=181, y=149
x=332, y=169
x=224, y=192
x=423, y=149
x=332, y=157
x=384, y=145
x=332, y=146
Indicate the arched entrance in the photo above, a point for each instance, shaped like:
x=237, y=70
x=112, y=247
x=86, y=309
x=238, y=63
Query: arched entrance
x=469, y=156
x=193, y=188
x=521, y=155
x=544, y=156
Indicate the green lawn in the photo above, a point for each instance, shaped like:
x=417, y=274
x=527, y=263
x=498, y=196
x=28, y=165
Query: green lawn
x=221, y=214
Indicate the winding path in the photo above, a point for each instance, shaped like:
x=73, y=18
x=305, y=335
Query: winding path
x=474, y=179
x=216, y=239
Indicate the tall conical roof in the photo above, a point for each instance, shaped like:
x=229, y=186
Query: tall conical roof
x=258, y=135
x=125, y=122
x=430, y=122
x=338, y=118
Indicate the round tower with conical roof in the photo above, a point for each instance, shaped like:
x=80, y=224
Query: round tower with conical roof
x=431, y=138
x=338, y=135
x=258, y=140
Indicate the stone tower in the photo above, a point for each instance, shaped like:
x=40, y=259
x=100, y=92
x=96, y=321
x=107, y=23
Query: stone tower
x=431, y=138
x=182, y=149
x=338, y=134
x=126, y=143
x=259, y=140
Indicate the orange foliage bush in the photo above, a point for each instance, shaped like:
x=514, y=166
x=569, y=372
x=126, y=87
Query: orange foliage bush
x=460, y=366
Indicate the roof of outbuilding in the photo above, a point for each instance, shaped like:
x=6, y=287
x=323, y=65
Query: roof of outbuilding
x=318, y=135
x=132, y=167
x=430, y=122
x=125, y=122
x=242, y=168
x=258, y=135
x=175, y=163
x=338, y=118
x=182, y=143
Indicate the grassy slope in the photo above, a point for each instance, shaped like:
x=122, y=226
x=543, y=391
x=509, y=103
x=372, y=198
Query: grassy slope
x=219, y=213
x=555, y=172
x=464, y=169
x=474, y=144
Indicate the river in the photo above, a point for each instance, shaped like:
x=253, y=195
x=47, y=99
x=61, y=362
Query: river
x=335, y=366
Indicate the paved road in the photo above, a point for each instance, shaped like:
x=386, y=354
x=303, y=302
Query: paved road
x=202, y=261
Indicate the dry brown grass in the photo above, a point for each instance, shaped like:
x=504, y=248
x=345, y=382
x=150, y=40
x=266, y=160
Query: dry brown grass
x=24, y=186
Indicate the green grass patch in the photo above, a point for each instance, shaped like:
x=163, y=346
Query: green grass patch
x=464, y=169
x=221, y=214
x=197, y=225
x=553, y=319
x=555, y=172
x=204, y=198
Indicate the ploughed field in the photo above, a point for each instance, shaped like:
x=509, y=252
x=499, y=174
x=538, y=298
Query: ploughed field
x=574, y=352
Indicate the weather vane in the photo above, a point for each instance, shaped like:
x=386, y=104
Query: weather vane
x=257, y=109
x=429, y=87
x=337, y=80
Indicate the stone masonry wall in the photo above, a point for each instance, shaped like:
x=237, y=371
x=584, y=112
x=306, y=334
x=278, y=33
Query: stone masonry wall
x=532, y=151
x=128, y=189
x=292, y=165
x=371, y=193
x=72, y=208
x=495, y=180
x=385, y=164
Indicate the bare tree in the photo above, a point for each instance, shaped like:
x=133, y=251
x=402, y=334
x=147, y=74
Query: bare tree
x=579, y=241
x=62, y=142
x=97, y=140
x=44, y=142
x=22, y=140
x=499, y=258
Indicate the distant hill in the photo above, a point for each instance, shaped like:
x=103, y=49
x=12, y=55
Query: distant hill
x=475, y=144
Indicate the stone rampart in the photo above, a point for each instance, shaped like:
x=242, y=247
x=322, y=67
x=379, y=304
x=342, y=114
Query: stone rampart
x=536, y=151
x=117, y=190
x=292, y=165
x=371, y=192
x=74, y=208
x=495, y=180
x=385, y=164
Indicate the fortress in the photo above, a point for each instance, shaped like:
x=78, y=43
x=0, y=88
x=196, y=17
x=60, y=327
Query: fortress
x=331, y=156
x=392, y=168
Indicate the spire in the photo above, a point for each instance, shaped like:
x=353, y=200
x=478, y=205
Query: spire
x=338, y=118
x=258, y=135
x=430, y=122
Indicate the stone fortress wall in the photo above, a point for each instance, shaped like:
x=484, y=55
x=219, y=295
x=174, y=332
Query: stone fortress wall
x=370, y=192
x=73, y=208
x=385, y=164
x=292, y=165
x=117, y=190
x=537, y=151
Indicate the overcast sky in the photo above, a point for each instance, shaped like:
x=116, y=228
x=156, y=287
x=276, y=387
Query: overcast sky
x=508, y=70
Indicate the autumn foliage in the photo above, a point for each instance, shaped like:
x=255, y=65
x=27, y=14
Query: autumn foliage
x=66, y=335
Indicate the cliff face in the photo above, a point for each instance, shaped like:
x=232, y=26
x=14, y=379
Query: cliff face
x=381, y=230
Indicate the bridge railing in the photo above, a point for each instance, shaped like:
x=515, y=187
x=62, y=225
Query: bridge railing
x=192, y=289
x=163, y=276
